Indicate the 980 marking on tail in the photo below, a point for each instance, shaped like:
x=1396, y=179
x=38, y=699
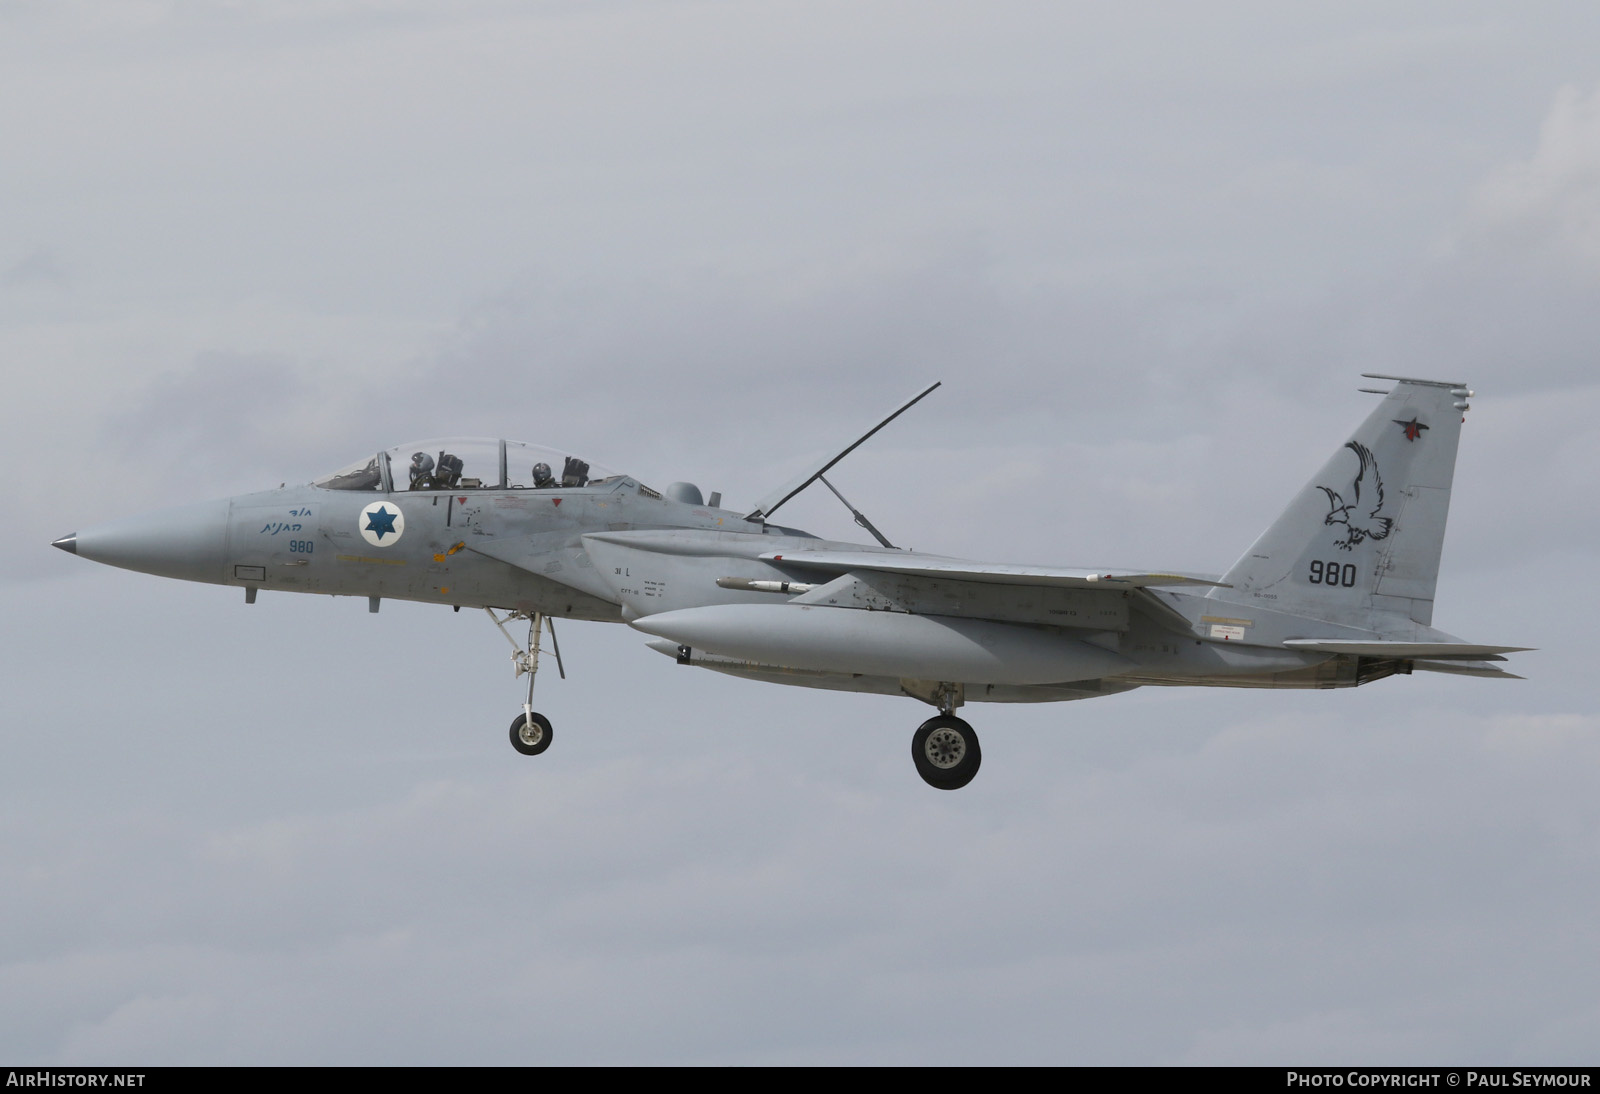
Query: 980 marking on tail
x=1331, y=573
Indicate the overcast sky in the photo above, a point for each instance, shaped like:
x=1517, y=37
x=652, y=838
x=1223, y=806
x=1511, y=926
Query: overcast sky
x=1148, y=249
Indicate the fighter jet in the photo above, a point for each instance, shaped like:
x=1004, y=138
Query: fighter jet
x=1334, y=594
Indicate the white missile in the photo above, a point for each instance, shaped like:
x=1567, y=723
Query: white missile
x=745, y=584
x=829, y=639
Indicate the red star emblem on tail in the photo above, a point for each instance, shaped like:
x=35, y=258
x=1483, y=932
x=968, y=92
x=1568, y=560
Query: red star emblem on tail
x=1413, y=428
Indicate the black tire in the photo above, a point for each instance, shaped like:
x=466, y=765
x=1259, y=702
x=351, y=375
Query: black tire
x=530, y=740
x=945, y=750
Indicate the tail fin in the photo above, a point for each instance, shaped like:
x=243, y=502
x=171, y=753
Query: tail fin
x=1364, y=536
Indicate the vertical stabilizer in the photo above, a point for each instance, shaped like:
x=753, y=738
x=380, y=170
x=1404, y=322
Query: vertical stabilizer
x=1361, y=542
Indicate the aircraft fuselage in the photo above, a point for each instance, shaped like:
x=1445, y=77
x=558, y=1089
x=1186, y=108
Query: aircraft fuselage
x=1337, y=592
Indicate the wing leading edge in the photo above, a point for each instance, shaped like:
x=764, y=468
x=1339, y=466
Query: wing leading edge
x=954, y=569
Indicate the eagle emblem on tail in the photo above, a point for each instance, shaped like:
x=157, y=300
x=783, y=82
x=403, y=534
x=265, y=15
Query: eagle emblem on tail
x=1359, y=526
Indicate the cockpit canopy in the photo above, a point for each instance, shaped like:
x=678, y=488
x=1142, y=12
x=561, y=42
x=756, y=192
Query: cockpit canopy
x=466, y=463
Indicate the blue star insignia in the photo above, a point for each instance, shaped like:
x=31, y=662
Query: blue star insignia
x=380, y=520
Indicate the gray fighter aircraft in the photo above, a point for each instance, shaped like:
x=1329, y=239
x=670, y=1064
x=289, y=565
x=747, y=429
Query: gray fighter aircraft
x=1337, y=592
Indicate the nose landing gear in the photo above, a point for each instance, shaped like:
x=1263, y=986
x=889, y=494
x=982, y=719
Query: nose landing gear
x=531, y=732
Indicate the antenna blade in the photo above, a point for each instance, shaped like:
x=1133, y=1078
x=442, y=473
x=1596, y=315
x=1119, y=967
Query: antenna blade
x=769, y=504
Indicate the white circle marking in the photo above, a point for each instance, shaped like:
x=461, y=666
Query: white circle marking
x=382, y=523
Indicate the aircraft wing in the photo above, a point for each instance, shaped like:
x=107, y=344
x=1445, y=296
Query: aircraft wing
x=955, y=569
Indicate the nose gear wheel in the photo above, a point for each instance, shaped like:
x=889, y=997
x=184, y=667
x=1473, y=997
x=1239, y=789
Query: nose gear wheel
x=531, y=735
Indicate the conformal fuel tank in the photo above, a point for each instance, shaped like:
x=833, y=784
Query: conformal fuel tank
x=922, y=647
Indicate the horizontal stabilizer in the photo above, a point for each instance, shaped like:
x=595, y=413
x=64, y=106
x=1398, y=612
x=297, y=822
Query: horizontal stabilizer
x=902, y=562
x=1466, y=668
x=1435, y=650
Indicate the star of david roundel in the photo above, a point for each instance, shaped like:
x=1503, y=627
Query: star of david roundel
x=381, y=523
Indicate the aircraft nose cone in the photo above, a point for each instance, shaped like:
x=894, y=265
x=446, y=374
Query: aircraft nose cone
x=67, y=543
x=189, y=543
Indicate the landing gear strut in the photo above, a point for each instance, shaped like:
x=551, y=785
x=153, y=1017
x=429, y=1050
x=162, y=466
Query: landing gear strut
x=531, y=732
x=945, y=749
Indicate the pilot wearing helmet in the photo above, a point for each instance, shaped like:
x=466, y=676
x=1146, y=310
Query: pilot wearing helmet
x=542, y=478
x=421, y=471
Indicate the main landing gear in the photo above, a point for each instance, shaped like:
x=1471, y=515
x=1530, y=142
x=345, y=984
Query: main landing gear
x=531, y=732
x=945, y=749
